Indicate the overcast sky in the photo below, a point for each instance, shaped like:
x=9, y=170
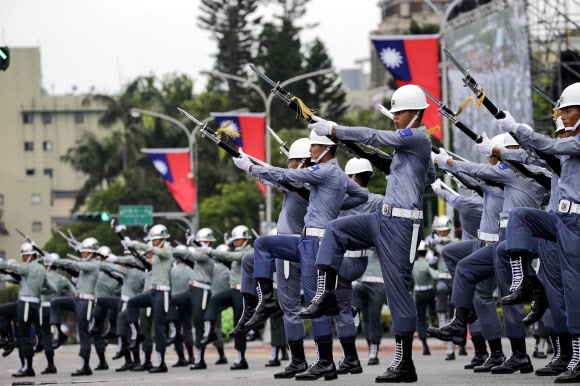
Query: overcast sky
x=107, y=43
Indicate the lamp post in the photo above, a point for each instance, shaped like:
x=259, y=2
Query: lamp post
x=267, y=99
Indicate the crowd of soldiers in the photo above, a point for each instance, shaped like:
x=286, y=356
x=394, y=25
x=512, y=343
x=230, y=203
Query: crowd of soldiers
x=324, y=242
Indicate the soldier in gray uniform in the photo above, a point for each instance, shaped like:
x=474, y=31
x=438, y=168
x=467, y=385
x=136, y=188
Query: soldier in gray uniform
x=399, y=219
x=157, y=296
x=81, y=303
x=33, y=279
x=220, y=282
x=194, y=298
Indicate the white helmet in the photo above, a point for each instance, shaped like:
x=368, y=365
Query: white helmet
x=498, y=140
x=509, y=140
x=104, y=251
x=300, y=149
x=241, y=232
x=315, y=139
x=55, y=257
x=358, y=165
x=222, y=248
x=422, y=246
x=181, y=247
x=570, y=96
x=90, y=244
x=408, y=97
x=441, y=223
x=158, y=231
x=27, y=249
x=559, y=125
x=204, y=234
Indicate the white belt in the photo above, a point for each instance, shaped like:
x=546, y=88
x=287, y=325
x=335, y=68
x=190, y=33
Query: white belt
x=503, y=223
x=487, y=236
x=29, y=299
x=125, y=298
x=389, y=211
x=45, y=304
x=198, y=284
x=160, y=287
x=444, y=276
x=566, y=206
x=373, y=279
x=423, y=287
x=361, y=253
x=85, y=296
x=318, y=232
x=236, y=286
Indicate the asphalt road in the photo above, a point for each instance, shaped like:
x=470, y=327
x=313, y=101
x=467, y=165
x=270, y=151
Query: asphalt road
x=432, y=370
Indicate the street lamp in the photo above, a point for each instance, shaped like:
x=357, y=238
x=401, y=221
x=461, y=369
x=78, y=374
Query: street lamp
x=267, y=99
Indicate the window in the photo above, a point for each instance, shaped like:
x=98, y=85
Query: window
x=35, y=198
x=37, y=226
x=47, y=145
x=79, y=117
x=2, y=199
x=3, y=255
x=30, y=172
x=27, y=118
x=48, y=172
x=28, y=146
x=46, y=118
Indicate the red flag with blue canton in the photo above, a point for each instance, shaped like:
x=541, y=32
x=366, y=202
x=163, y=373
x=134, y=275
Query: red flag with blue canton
x=252, y=129
x=413, y=59
x=174, y=166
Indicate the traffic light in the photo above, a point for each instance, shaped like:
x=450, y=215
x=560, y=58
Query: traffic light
x=4, y=58
x=91, y=216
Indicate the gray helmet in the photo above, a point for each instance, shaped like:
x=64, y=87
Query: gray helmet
x=222, y=248
x=90, y=244
x=104, y=251
x=204, y=234
x=441, y=223
x=55, y=257
x=181, y=247
x=241, y=232
x=27, y=249
x=158, y=231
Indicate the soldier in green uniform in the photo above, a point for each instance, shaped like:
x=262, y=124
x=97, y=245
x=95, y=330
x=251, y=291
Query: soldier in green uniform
x=8, y=313
x=423, y=278
x=220, y=282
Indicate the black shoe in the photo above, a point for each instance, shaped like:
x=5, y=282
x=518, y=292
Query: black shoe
x=426, y=350
x=323, y=367
x=191, y=361
x=570, y=376
x=373, y=362
x=273, y=363
x=539, y=307
x=539, y=354
x=200, y=365
x=524, y=293
x=450, y=357
x=402, y=372
x=553, y=368
x=324, y=302
x=142, y=366
x=29, y=372
x=455, y=331
x=349, y=367
x=491, y=362
x=243, y=365
x=10, y=346
x=222, y=361
x=50, y=369
x=513, y=364
x=249, y=307
x=62, y=338
x=119, y=354
x=135, y=342
x=162, y=368
x=285, y=356
x=181, y=363
x=102, y=366
x=84, y=370
x=472, y=317
x=293, y=368
x=125, y=367
x=477, y=360
x=267, y=305
x=462, y=351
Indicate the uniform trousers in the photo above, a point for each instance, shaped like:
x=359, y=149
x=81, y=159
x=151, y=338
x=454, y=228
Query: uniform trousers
x=229, y=298
x=103, y=307
x=190, y=303
x=79, y=307
x=371, y=296
x=156, y=300
x=24, y=323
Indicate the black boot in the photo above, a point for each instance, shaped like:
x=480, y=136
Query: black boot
x=324, y=302
x=267, y=305
x=521, y=290
x=323, y=366
x=350, y=362
x=181, y=361
x=222, y=360
x=539, y=304
x=123, y=349
x=209, y=334
x=480, y=353
x=456, y=330
x=84, y=369
x=39, y=347
x=160, y=367
x=562, y=356
x=103, y=365
x=374, y=353
x=572, y=374
x=128, y=363
x=401, y=368
x=146, y=365
x=249, y=307
x=136, y=337
x=26, y=370
x=297, y=363
x=189, y=348
x=517, y=361
x=59, y=337
x=426, y=350
x=240, y=363
x=496, y=357
x=462, y=351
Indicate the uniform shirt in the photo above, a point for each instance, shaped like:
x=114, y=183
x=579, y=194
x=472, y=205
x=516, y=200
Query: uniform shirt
x=203, y=265
x=328, y=186
x=106, y=285
x=180, y=277
x=437, y=249
x=33, y=278
x=374, y=266
x=423, y=274
x=374, y=202
x=161, y=264
x=221, y=278
x=470, y=209
x=235, y=257
x=133, y=278
x=88, y=273
x=62, y=285
x=411, y=167
x=291, y=219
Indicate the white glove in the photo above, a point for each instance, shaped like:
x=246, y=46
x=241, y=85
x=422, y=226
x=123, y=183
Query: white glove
x=507, y=124
x=47, y=258
x=190, y=240
x=204, y=249
x=243, y=162
x=127, y=242
x=436, y=185
x=431, y=257
x=486, y=146
x=320, y=126
x=111, y=258
x=434, y=239
x=119, y=228
x=75, y=279
x=441, y=158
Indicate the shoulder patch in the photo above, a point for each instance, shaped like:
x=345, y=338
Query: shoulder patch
x=407, y=132
x=578, y=137
x=313, y=168
x=455, y=198
x=503, y=166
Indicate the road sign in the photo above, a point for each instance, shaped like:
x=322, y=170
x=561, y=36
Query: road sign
x=4, y=58
x=137, y=215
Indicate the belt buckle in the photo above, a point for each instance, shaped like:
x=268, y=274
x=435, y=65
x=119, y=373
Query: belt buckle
x=387, y=210
x=564, y=206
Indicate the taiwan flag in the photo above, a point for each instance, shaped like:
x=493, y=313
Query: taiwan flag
x=413, y=59
x=252, y=129
x=174, y=167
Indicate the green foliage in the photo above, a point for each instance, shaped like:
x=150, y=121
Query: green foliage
x=416, y=29
x=227, y=323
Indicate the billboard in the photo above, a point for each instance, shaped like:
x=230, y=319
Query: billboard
x=495, y=50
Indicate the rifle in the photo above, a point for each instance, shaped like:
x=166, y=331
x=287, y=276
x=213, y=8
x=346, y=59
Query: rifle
x=213, y=136
x=283, y=148
x=133, y=251
x=31, y=242
x=377, y=157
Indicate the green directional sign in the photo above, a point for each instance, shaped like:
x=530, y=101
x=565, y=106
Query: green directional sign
x=136, y=215
x=4, y=58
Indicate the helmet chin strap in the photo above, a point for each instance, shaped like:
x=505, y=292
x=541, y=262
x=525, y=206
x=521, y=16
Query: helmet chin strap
x=317, y=159
x=414, y=119
x=301, y=163
x=89, y=256
x=573, y=128
x=243, y=245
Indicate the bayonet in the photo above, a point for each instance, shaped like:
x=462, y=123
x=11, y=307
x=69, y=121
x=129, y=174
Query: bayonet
x=448, y=188
x=30, y=241
x=545, y=96
x=283, y=148
x=73, y=257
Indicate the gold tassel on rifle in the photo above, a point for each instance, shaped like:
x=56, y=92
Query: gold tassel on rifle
x=481, y=98
x=467, y=101
x=303, y=110
x=433, y=130
x=557, y=114
x=228, y=132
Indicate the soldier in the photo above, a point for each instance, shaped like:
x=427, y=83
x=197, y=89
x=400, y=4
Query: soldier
x=399, y=219
x=157, y=296
x=8, y=313
x=423, y=277
x=220, y=282
x=81, y=303
x=231, y=297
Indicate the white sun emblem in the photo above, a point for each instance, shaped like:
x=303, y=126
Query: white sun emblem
x=160, y=166
x=232, y=126
x=391, y=57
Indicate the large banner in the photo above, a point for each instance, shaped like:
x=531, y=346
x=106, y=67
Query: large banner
x=495, y=50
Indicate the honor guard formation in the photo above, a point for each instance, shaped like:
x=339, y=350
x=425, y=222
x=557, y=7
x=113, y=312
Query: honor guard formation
x=344, y=252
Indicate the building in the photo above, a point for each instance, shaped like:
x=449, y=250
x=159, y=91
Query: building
x=37, y=189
